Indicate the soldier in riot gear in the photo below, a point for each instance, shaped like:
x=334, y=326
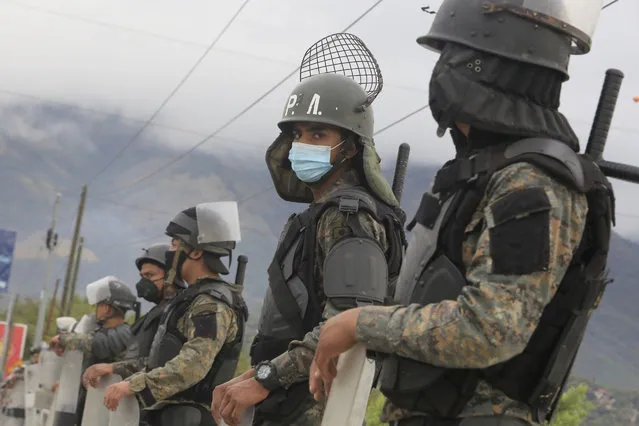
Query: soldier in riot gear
x=151, y=287
x=108, y=342
x=344, y=249
x=199, y=339
x=510, y=244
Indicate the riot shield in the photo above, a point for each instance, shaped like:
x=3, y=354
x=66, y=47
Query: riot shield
x=128, y=411
x=347, y=401
x=30, y=388
x=67, y=393
x=49, y=367
x=14, y=408
x=95, y=413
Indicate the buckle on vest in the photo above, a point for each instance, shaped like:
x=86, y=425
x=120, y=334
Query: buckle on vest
x=348, y=205
x=469, y=173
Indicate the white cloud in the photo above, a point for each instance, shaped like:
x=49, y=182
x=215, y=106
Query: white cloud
x=33, y=248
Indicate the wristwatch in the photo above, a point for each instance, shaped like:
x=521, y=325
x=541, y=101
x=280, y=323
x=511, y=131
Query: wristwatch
x=266, y=375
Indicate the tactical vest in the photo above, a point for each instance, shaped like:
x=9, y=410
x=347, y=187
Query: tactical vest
x=144, y=330
x=169, y=340
x=292, y=306
x=434, y=272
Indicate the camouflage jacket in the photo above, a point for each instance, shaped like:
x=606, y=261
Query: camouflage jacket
x=101, y=345
x=196, y=356
x=294, y=365
x=496, y=314
x=132, y=362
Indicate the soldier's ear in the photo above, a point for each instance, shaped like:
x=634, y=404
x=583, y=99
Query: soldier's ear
x=351, y=145
x=196, y=254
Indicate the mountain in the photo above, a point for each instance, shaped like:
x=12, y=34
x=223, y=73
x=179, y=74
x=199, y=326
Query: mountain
x=45, y=148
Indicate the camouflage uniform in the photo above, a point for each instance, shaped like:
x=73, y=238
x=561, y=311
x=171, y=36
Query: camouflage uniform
x=85, y=344
x=133, y=363
x=495, y=315
x=129, y=367
x=195, y=358
x=294, y=366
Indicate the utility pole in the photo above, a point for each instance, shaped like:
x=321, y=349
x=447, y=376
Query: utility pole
x=51, y=243
x=52, y=307
x=7, y=335
x=78, y=258
x=74, y=245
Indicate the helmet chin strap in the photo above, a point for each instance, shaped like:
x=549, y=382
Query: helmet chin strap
x=170, y=277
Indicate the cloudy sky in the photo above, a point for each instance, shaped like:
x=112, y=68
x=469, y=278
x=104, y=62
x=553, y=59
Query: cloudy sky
x=126, y=58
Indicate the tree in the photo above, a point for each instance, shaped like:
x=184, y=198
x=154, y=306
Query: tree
x=25, y=311
x=573, y=408
x=243, y=364
x=374, y=409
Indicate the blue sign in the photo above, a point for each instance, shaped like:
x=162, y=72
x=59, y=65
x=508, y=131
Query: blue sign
x=7, y=244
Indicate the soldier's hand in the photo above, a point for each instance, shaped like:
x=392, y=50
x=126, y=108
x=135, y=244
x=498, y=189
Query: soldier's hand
x=115, y=393
x=91, y=376
x=55, y=345
x=220, y=391
x=55, y=386
x=239, y=397
x=337, y=335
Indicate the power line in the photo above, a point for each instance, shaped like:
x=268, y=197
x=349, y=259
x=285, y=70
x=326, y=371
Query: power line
x=248, y=108
x=234, y=118
x=396, y=122
x=173, y=92
x=132, y=30
x=104, y=24
x=609, y=4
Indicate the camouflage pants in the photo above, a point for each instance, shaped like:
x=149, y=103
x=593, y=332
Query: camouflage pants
x=311, y=416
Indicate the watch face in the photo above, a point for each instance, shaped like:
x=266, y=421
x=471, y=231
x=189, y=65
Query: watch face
x=263, y=372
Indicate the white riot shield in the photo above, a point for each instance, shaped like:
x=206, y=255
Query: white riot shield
x=347, y=401
x=49, y=368
x=14, y=408
x=67, y=393
x=95, y=413
x=128, y=411
x=48, y=416
x=30, y=388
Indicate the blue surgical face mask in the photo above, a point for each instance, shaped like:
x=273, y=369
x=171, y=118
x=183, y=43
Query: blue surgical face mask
x=310, y=162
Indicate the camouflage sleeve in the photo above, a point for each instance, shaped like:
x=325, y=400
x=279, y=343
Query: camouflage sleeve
x=294, y=366
x=129, y=367
x=77, y=342
x=496, y=314
x=207, y=324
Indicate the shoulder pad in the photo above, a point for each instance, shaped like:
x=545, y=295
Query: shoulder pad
x=218, y=290
x=355, y=273
x=552, y=149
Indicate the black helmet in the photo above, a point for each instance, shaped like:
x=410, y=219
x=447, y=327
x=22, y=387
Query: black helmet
x=539, y=32
x=154, y=254
x=211, y=227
